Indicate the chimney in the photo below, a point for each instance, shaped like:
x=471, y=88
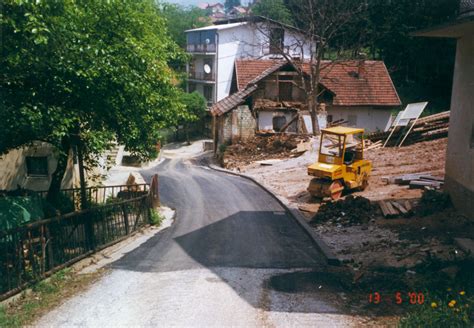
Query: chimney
x=361, y=72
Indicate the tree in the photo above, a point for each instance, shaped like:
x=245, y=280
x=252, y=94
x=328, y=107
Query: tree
x=324, y=31
x=417, y=74
x=195, y=105
x=180, y=19
x=83, y=73
x=273, y=9
x=229, y=4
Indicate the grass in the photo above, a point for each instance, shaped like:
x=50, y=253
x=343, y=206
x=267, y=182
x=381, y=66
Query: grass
x=448, y=302
x=453, y=309
x=44, y=296
x=156, y=218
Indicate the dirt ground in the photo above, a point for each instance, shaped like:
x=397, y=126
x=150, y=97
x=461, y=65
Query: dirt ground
x=369, y=241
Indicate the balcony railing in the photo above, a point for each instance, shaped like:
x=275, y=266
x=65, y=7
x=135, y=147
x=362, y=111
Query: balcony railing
x=201, y=76
x=201, y=48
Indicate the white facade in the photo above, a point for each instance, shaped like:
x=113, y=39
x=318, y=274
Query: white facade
x=372, y=119
x=219, y=46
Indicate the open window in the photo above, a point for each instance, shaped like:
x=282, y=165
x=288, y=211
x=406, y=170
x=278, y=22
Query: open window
x=277, y=36
x=278, y=122
x=37, y=166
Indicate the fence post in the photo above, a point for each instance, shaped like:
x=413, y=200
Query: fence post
x=154, y=192
x=125, y=218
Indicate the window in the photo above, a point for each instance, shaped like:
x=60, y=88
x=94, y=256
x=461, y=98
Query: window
x=278, y=122
x=286, y=91
x=331, y=144
x=37, y=166
x=208, y=93
x=276, y=40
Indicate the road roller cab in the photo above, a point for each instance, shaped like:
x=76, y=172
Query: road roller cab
x=341, y=164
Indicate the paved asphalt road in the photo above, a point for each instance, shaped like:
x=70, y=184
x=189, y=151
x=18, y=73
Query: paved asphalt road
x=233, y=257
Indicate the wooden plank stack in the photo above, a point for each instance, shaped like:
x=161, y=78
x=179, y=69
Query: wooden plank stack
x=426, y=128
x=392, y=208
x=417, y=181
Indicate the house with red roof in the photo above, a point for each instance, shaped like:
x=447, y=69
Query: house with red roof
x=267, y=95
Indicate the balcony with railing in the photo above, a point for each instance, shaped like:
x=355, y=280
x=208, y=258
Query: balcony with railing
x=202, y=76
x=201, y=48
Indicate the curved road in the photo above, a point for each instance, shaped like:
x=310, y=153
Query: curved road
x=231, y=258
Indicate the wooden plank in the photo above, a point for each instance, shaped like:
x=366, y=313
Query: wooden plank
x=399, y=207
x=431, y=178
x=387, y=209
x=408, y=206
x=392, y=209
x=383, y=207
x=421, y=184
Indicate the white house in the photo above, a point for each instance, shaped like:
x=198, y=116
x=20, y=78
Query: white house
x=459, y=176
x=215, y=49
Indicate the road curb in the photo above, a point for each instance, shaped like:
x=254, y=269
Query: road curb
x=328, y=254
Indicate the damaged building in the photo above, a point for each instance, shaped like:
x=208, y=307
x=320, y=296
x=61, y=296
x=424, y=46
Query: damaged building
x=268, y=96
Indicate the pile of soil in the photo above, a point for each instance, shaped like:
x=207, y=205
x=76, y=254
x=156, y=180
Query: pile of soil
x=353, y=210
x=260, y=148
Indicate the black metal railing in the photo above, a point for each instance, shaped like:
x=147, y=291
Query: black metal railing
x=203, y=48
x=100, y=195
x=202, y=76
x=33, y=251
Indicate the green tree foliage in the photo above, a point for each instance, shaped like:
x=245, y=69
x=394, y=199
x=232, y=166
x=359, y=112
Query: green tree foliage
x=422, y=68
x=195, y=105
x=273, y=9
x=229, y=4
x=180, y=19
x=94, y=68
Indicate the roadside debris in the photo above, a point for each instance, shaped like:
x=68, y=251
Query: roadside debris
x=264, y=147
x=416, y=181
x=349, y=211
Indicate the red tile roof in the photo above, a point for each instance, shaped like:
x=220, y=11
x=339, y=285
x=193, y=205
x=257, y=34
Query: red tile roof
x=375, y=87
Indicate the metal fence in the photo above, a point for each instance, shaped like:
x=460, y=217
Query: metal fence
x=100, y=195
x=34, y=251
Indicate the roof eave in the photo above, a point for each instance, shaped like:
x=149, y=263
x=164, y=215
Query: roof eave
x=454, y=29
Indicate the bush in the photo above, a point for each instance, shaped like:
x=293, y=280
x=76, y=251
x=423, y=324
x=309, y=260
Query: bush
x=222, y=148
x=155, y=217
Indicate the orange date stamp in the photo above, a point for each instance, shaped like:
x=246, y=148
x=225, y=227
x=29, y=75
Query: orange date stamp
x=413, y=298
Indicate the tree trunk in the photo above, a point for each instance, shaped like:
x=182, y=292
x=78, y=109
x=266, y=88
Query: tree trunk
x=313, y=110
x=57, y=177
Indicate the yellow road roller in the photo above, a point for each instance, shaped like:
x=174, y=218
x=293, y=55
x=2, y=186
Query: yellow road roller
x=341, y=164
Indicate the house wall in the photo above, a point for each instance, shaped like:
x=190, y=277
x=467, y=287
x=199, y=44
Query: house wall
x=245, y=41
x=460, y=152
x=369, y=118
x=14, y=172
x=238, y=124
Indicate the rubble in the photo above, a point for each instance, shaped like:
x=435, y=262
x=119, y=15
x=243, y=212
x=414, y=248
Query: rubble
x=349, y=211
x=262, y=148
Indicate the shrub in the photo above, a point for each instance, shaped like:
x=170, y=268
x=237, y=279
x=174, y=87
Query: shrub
x=156, y=218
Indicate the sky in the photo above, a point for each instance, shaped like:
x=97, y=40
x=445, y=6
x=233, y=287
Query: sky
x=196, y=2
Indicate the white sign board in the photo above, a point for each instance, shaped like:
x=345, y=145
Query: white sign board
x=397, y=119
x=411, y=112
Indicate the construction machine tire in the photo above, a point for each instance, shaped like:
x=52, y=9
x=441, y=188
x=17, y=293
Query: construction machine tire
x=325, y=188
